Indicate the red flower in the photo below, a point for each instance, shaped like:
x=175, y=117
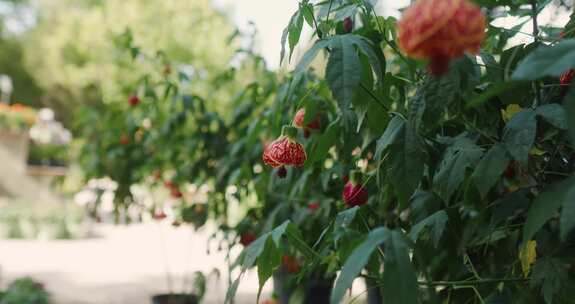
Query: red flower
x=567, y=77
x=290, y=264
x=169, y=184
x=134, y=100
x=176, y=193
x=441, y=30
x=313, y=206
x=247, y=238
x=159, y=215
x=124, y=140
x=285, y=151
x=298, y=120
x=354, y=194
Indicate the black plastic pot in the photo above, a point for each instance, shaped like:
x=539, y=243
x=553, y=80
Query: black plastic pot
x=175, y=298
x=318, y=291
x=374, y=295
x=282, y=288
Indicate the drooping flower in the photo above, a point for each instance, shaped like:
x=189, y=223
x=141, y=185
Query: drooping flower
x=354, y=192
x=567, y=77
x=285, y=151
x=441, y=30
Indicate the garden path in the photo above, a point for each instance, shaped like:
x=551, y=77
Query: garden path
x=121, y=265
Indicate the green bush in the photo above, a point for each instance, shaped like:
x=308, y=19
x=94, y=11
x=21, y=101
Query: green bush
x=25, y=291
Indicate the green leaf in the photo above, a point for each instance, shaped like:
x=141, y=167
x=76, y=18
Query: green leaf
x=399, y=278
x=435, y=223
x=491, y=91
x=310, y=55
x=355, y=263
x=343, y=220
x=268, y=261
x=325, y=142
x=376, y=60
x=490, y=168
x=547, y=61
x=407, y=164
x=294, y=31
x=295, y=238
x=554, y=114
x=307, y=11
x=570, y=108
x=567, y=219
x=231, y=293
x=494, y=71
x=393, y=130
x=545, y=206
x=343, y=71
x=549, y=275
x=519, y=135
x=458, y=157
x=254, y=251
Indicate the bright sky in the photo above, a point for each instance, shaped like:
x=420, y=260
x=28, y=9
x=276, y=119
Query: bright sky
x=272, y=16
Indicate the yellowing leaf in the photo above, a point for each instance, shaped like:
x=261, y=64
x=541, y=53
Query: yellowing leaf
x=528, y=256
x=536, y=152
x=510, y=111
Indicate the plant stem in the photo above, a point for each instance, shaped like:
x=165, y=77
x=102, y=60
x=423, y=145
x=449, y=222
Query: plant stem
x=536, y=84
x=317, y=31
x=472, y=282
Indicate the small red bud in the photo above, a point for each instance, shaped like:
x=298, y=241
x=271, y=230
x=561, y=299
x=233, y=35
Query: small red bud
x=347, y=25
x=313, y=206
x=176, y=193
x=124, y=140
x=282, y=172
x=134, y=100
x=290, y=264
x=247, y=238
x=159, y=215
x=354, y=194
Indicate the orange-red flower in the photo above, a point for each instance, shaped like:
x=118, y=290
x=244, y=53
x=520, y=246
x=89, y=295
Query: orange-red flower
x=441, y=30
x=285, y=151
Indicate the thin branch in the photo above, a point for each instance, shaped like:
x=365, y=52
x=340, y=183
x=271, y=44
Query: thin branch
x=380, y=102
x=472, y=282
x=536, y=84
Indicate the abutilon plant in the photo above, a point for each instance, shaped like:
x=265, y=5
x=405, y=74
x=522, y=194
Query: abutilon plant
x=466, y=185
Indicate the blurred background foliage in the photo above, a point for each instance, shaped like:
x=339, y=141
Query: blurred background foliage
x=63, y=53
